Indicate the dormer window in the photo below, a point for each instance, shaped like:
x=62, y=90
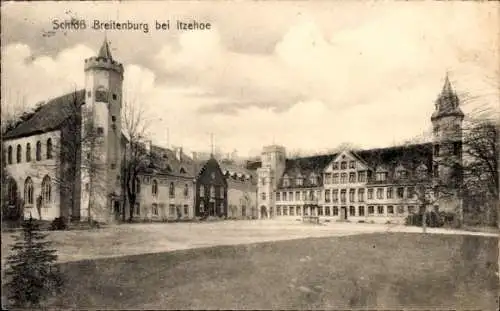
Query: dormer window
x=313, y=179
x=402, y=174
x=381, y=176
x=335, y=165
x=422, y=172
x=299, y=181
x=286, y=182
x=352, y=164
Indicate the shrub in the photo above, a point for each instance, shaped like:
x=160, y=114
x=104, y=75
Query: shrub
x=432, y=219
x=59, y=223
x=361, y=221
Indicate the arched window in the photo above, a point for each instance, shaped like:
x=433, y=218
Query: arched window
x=12, y=191
x=46, y=190
x=182, y=170
x=28, y=191
x=137, y=186
x=38, y=151
x=9, y=155
x=186, y=190
x=202, y=191
x=171, y=190
x=18, y=153
x=49, y=148
x=28, y=152
x=154, y=188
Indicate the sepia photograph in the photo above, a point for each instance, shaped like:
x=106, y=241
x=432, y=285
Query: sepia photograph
x=250, y=155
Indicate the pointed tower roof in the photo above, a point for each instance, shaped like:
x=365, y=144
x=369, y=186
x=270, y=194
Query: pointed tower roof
x=104, y=51
x=447, y=103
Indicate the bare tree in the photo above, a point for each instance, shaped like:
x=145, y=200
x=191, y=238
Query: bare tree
x=136, y=156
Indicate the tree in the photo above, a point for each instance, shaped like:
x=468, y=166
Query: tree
x=136, y=155
x=31, y=272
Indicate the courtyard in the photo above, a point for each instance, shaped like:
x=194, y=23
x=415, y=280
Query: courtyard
x=274, y=265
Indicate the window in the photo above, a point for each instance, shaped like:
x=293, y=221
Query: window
x=137, y=186
x=361, y=211
x=9, y=155
x=313, y=179
x=285, y=210
x=171, y=209
x=370, y=193
x=400, y=192
x=361, y=195
x=335, y=211
x=304, y=195
x=202, y=207
x=89, y=94
x=389, y=193
x=335, y=179
x=390, y=210
x=422, y=172
x=320, y=211
x=46, y=190
x=311, y=195
x=49, y=148
x=328, y=178
x=457, y=148
x=411, y=192
x=278, y=195
x=362, y=176
x=343, y=165
x=18, y=154
x=335, y=195
x=154, y=188
x=436, y=150
x=263, y=196
x=299, y=210
x=380, y=193
x=182, y=171
x=352, y=211
x=28, y=191
x=171, y=190
x=411, y=209
x=343, y=178
x=351, y=195
x=186, y=190
x=212, y=191
x=436, y=130
x=292, y=211
x=402, y=174
x=286, y=182
x=154, y=209
x=371, y=210
x=342, y=195
x=186, y=210
x=352, y=164
x=327, y=196
x=28, y=152
x=297, y=195
x=380, y=209
x=401, y=209
x=114, y=96
x=327, y=210
x=38, y=151
x=202, y=191
x=113, y=118
x=290, y=196
x=12, y=191
x=137, y=209
x=352, y=177
x=381, y=176
x=299, y=181
x=335, y=165
x=100, y=130
x=284, y=196
x=278, y=210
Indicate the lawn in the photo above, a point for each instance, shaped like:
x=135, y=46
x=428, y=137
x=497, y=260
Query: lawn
x=381, y=270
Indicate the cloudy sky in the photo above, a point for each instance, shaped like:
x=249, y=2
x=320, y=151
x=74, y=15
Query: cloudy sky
x=307, y=75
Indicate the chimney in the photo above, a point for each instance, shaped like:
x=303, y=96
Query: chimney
x=178, y=153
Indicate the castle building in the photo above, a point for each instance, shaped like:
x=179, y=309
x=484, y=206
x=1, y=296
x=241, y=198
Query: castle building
x=376, y=185
x=65, y=159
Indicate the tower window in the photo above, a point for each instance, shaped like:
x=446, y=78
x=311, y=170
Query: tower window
x=114, y=96
x=113, y=118
x=89, y=94
x=457, y=148
x=100, y=130
x=436, y=150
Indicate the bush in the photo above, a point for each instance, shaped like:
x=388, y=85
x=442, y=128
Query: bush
x=60, y=223
x=432, y=220
x=361, y=221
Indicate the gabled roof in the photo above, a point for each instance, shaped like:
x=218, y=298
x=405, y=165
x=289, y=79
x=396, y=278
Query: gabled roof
x=304, y=167
x=165, y=161
x=49, y=116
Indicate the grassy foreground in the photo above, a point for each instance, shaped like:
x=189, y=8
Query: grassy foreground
x=376, y=271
